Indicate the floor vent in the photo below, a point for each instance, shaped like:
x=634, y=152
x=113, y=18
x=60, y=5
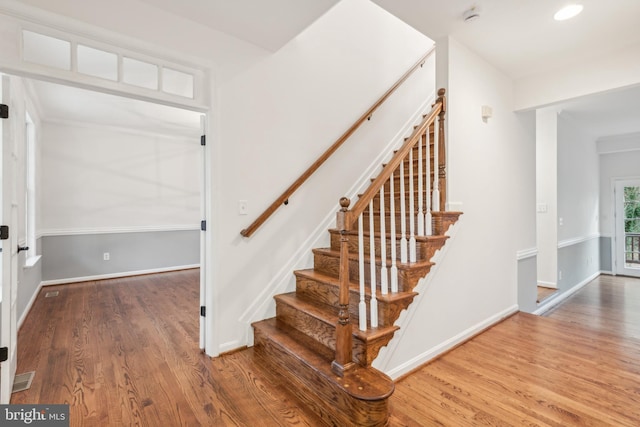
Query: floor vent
x=23, y=381
x=51, y=294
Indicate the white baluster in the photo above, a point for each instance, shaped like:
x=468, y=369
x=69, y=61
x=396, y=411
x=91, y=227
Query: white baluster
x=428, y=228
x=362, y=307
x=403, y=215
x=412, y=210
x=392, y=209
x=420, y=217
x=372, y=255
x=435, y=204
x=384, y=284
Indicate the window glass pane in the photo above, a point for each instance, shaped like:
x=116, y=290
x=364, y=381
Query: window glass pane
x=139, y=73
x=98, y=63
x=177, y=83
x=45, y=50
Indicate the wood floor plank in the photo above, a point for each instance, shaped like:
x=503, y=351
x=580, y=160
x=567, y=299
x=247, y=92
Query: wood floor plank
x=125, y=352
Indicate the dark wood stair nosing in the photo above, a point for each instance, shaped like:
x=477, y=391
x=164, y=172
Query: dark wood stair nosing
x=318, y=312
x=318, y=360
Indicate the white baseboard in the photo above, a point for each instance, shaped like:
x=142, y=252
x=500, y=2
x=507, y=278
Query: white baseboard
x=434, y=352
x=555, y=300
x=27, y=309
x=230, y=346
x=116, y=275
x=548, y=284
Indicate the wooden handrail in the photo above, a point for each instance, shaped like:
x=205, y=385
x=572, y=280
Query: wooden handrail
x=346, y=220
x=394, y=163
x=284, y=197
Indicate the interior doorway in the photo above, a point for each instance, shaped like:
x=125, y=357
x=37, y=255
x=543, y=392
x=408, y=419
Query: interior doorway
x=627, y=227
x=70, y=112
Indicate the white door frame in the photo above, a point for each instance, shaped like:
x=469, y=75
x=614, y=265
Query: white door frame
x=203, y=102
x=205, y=204
x=9, y=267
x=619, y=233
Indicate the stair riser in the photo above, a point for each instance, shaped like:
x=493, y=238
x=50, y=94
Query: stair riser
x=325, y=334
x=407, y=279
x=416, y=160
x=407, y=180
x=387, y=225
x=328, y=294
x=330, y=403
x=320, y=331
x=424, y=249
x=439, y=225
x=396, y=200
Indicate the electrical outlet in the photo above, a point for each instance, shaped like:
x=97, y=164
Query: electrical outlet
x=560, y=275
x=243, y=209
x=106, y=256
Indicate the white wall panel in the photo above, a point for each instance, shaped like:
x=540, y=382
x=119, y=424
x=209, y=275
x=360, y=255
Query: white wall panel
x=278, y=117
x=96, y=178
x=492, y=179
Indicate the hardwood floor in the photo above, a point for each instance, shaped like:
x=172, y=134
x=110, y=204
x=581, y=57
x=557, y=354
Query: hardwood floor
x=544, y=293
x=579, y=366
x=609, y=303
x=124, y=352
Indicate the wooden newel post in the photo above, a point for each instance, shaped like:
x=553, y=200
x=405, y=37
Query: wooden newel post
x=344, y=345
x=442, y=161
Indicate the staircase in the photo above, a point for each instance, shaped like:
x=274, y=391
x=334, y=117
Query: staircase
x=316, y=342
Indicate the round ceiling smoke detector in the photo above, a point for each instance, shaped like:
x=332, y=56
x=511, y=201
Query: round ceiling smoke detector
x=471, y=15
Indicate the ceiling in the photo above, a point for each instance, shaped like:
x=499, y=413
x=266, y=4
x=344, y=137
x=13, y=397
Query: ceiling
x=521, y=38
x=518, y=37
x=268, y=24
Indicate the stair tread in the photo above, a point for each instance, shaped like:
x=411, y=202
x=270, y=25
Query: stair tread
x=364, y=383
x=353, y=286
x=329, y=316
x=354, y=256
x=435, y=237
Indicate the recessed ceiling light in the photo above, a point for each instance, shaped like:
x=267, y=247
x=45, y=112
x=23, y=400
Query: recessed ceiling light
x=568, y=12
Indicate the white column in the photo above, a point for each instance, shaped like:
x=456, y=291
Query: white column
x=428, y=227
x=392, y=209
x=412, y=212
x=403, y=215
x=435, y=204
x=372, y=261
x=420, y=216
x=384, y=284
x=362, y=307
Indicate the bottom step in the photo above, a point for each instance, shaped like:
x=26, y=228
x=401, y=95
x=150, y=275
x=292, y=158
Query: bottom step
x=359, y=398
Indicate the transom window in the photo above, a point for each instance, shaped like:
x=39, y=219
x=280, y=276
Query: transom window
x=121, y=67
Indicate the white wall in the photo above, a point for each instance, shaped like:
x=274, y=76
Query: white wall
x=275, y=120
x=613, y=69
x=492, y=180
x=103, y=179
x=578, y=182
x=547, y=195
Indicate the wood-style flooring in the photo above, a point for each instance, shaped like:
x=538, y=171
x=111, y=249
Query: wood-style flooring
x=125, y=352
x=544, y=293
